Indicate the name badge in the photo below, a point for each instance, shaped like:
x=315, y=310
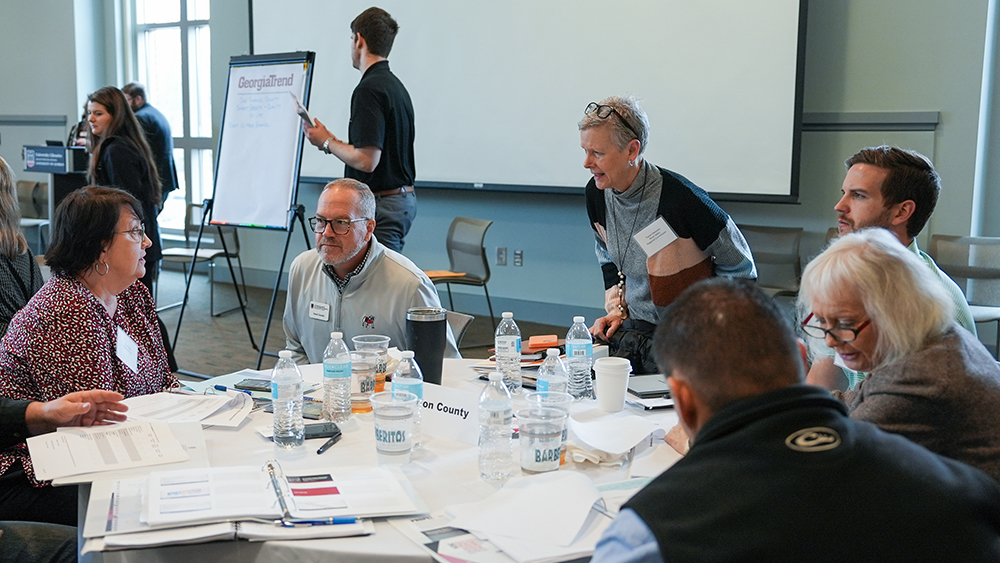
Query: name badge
x=319, y=311
x=655, y=237
x=127, y=350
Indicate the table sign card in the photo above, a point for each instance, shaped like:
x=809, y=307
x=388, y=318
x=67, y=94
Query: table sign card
x=451, y=413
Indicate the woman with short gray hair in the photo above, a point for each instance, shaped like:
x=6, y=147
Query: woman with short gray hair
x=627, y=195
x=870, y=300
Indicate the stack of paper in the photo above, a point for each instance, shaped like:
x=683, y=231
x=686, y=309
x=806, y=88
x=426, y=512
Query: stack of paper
x=536, y=519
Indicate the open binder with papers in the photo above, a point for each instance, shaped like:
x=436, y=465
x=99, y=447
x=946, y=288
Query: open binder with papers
x=253, y=503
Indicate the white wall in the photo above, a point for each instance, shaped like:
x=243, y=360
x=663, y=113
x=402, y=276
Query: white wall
x=862, y=56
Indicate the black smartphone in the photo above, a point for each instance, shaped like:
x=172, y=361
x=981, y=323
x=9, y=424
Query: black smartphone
x=322, y=430
x=260, y=385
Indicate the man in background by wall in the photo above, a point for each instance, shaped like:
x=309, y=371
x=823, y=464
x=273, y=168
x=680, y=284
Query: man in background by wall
x=379, y=149
x=158, y=134
x=897, y=190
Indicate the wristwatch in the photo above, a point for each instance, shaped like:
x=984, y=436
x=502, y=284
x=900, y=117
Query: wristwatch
x=326, y=145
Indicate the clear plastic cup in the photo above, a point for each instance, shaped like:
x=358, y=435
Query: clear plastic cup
x=375, y=343
x=540, y=432
x=394, y=426
x=552, y=399
x=363, y=366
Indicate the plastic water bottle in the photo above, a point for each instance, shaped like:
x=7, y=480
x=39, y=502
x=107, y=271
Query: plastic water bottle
x=496, y=423
x=508, y=352
x=552, y=374
x=579, y=358
x=286, y=396
x=408, y=377
x=337, y=379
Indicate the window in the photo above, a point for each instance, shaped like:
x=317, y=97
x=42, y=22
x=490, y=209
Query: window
x=173, y=60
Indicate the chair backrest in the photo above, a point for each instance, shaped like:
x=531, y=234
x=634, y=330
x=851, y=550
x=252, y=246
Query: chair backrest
x=40, y=197
x=974, y=264
x=192, y=219
x=459, y=323
x=232, y=238
x=26, y=199
x=776, y=254
x=465, y=247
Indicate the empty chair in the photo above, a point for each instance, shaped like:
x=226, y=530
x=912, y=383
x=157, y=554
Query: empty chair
x=467, y=255
x=776, y=253
x=974, y=264
x=459, y=323
x=208, y=255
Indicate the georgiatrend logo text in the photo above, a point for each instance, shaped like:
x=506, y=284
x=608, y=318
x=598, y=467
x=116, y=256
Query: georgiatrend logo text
x=815, y=439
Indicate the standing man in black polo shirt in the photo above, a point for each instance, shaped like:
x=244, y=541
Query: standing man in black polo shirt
x=379, y=151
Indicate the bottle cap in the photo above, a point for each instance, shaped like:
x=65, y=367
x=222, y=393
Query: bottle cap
x=552, y=352
x=579, y=319
x=285, y=354
x=406, y=354
x=496, y=376
x=336, y=335
x=508, y=315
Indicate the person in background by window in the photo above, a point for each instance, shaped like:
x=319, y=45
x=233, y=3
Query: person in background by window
x=158, y=134
x=20, y=276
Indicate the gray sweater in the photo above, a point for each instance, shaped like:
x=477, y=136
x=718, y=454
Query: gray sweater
x=945, y=397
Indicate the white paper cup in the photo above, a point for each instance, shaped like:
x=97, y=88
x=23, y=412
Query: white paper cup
x=611, y=382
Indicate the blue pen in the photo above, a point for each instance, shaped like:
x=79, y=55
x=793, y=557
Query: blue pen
x=290, y=523
x=223, y=388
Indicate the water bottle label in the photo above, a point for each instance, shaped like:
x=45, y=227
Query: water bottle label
x=580, y=350
x=508, y=345
x=417, y=388
x=542, y=385
x=336, y=370
x=503, y=417
x=274, y=391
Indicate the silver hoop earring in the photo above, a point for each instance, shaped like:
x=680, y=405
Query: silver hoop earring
x=97, y=268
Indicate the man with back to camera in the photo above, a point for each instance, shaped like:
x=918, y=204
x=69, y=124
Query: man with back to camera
x=158, y=134
x=895, y=189
x=776, y=468
x=379, y=150
x=351, y=282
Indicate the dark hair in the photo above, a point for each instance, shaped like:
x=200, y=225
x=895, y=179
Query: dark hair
x=134, y=90
x=84, y=225
x=729, y=340
x=378, y=28
x=911, y=177
x=126, y=128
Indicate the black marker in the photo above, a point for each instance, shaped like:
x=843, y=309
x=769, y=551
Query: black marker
x=326, y=445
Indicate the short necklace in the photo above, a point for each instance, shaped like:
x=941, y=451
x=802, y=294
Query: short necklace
x=618, y=242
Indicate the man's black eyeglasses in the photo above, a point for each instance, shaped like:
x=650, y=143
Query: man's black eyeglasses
x=839, y=333
x=340, y=226
x=603, y=112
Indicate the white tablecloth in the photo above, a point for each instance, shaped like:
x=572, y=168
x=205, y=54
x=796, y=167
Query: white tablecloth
x=443, y=471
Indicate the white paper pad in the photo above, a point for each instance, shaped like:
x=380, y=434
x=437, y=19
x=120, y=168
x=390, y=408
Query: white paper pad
x=614, y=433
x=71, y=451
x=233, y=413
x=174, y=407
x=551, y=507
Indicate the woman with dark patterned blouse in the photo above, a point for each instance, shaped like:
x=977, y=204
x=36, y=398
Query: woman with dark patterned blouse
x=91, y=326
x=20, y=277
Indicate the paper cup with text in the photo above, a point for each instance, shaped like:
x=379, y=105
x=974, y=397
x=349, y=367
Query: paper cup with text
x=394, y=426
x=611, y=382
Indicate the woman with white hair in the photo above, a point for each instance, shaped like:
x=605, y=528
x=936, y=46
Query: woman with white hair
x=870, y=300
